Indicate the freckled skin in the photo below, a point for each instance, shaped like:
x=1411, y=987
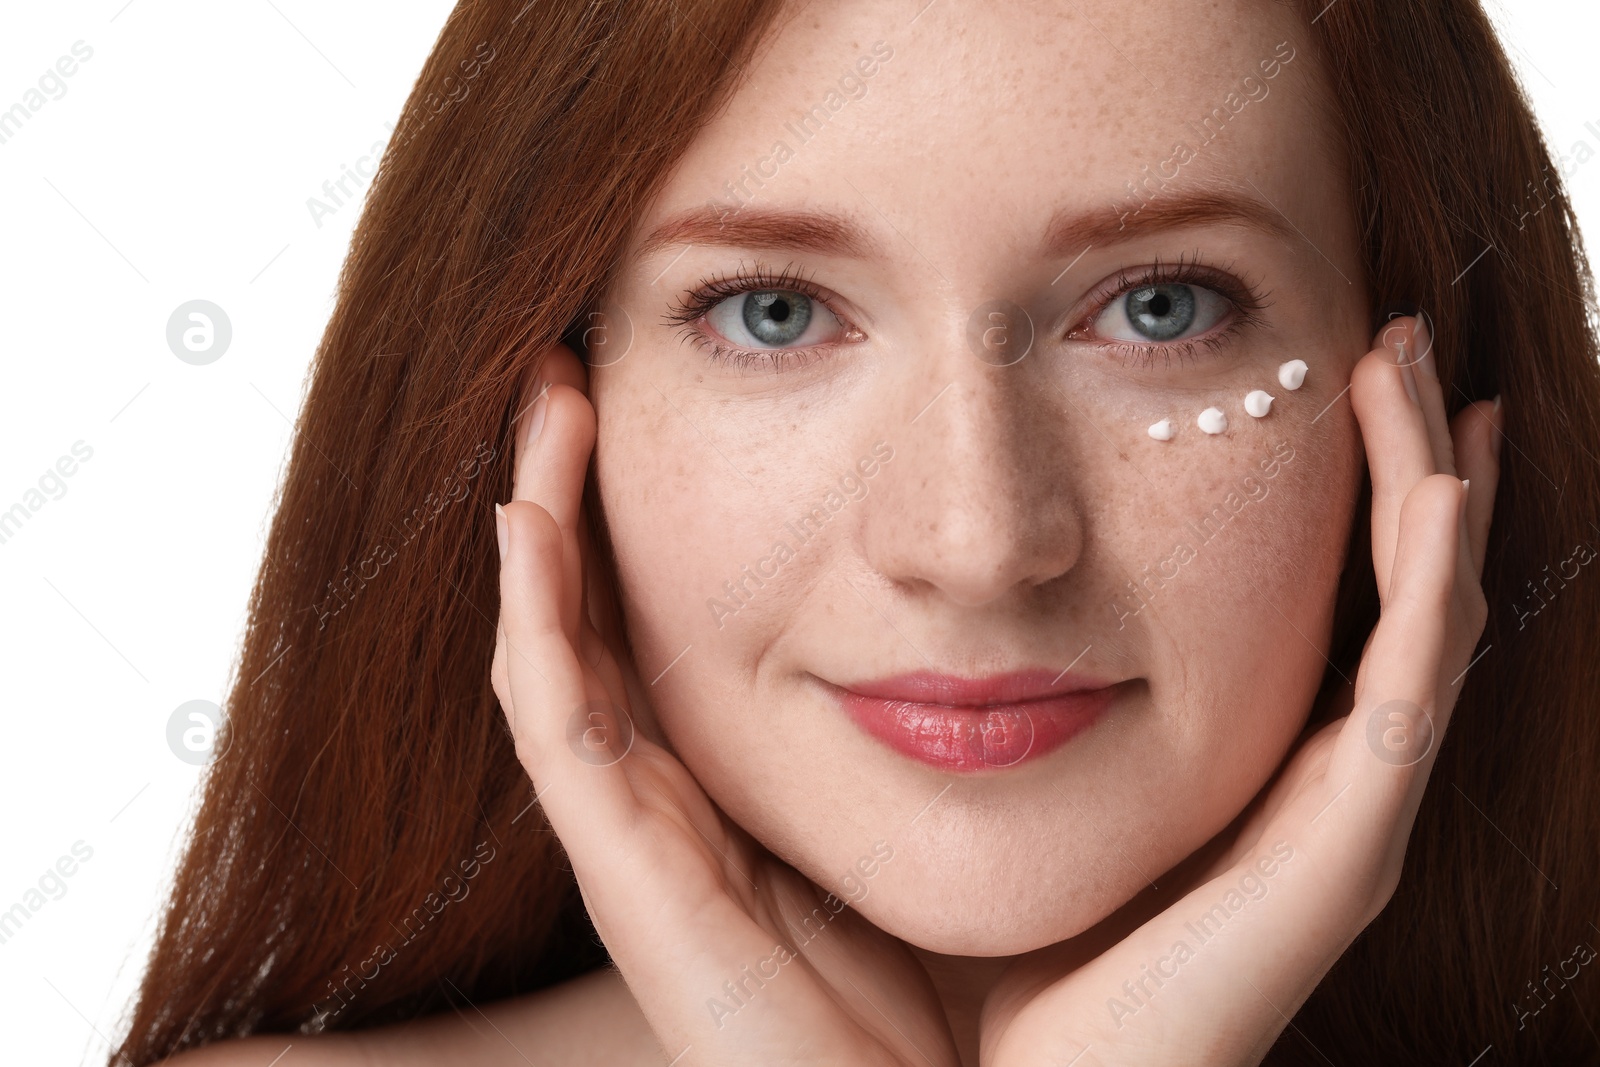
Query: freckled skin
x=1019, y=501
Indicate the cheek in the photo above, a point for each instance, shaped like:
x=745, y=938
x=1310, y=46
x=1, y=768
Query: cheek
x=1222, y=496
x=1231, y=583
x=717, y=537
x=1219, y=558
x=713, y=570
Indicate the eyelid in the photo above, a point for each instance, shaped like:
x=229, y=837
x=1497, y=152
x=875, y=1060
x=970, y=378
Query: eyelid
x=691, y=309
x=1245, y=299
x=1241, y=294
x=714, y=288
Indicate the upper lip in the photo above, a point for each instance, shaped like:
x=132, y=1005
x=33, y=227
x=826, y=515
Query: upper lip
x=1012, y=687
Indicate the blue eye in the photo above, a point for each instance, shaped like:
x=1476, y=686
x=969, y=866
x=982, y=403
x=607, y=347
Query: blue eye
x=777, y=318
x=772, y=318
x=1166, y=312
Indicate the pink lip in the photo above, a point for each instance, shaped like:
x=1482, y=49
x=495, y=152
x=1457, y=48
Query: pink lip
x=971, y=724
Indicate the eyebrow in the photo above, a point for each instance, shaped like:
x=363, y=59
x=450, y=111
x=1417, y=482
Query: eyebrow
x=771, y=229
x=1070, y=231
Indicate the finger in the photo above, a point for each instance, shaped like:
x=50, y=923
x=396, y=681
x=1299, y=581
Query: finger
x=498, y=678
x=552, y=458
x=547, y=690
x=1478, y=431
x=556, y=458
x=542, y=472
x=602, y=611
x=1411, y=637
x=555, y=448
x=1399, y=455
x=561, y=366
x=1411, y=339
x=1400, y=674
x=557, y=366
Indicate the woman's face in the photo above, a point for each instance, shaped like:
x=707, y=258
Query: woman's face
x=961, y=262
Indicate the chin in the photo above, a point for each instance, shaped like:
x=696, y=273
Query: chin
x=961, y=901
x=973, y=921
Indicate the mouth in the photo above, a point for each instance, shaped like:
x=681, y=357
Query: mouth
x=975, y=724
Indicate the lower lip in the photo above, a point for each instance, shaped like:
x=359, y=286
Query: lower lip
x=993, y=737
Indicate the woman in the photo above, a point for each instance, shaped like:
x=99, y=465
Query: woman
x=997, y=590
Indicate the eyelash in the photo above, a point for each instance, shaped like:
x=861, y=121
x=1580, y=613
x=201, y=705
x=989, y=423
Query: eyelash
x=711, y=291
x=1246, y=301
x=1247, y=304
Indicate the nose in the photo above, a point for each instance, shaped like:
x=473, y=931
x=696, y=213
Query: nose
x=979, y=504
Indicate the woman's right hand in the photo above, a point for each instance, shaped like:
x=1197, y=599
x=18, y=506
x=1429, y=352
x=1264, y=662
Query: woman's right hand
x=693, y=911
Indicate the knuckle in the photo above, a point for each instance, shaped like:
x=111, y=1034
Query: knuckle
x=526, y=745
x=527, y=751
x=1430, y=504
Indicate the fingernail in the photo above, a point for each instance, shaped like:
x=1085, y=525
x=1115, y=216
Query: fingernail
x=502, y=531
x=1405, y=373
x=1496, y=407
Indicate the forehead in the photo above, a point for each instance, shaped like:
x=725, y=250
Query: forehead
x=970, y=119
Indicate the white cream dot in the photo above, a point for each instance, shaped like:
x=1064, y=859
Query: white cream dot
x=1162, y=431
x=1212, y=420
x=1292, y=373
x=1258, y=402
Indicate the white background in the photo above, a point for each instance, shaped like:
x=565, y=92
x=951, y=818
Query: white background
x=177, y=166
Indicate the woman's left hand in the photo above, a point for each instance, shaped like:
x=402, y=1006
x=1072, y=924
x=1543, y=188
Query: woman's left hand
x=1327, y=839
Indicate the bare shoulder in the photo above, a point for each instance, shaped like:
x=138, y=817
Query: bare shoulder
x=588, y=1022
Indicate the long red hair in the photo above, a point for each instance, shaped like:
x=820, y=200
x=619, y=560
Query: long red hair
x=368, y=784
